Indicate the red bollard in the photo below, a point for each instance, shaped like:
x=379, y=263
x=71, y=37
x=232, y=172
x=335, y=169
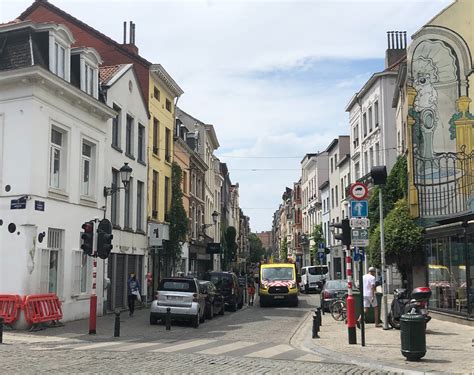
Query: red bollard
x=351, y=319
x=93, y=315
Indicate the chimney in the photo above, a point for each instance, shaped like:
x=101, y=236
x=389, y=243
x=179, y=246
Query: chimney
x=131, y=37
x=396, y=47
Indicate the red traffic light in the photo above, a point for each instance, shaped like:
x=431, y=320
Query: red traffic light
x=88, y=227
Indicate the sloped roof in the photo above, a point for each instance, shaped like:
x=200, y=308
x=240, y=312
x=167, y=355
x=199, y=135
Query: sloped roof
x=107, y=72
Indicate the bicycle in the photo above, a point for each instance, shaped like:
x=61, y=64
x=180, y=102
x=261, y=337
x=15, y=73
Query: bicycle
x=338, y=310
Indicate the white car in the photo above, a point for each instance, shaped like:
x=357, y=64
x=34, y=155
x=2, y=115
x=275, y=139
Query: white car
x=313, y=278
x=184, y=299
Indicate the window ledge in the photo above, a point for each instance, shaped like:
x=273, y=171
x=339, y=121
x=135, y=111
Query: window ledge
x=81, y=297
x=116, y=148
x=156, y=156
x=58, y=192
x=140, y=231
x=116, y=226
x=141, y=162
x=88, y=200
x=127, y=229
x=129, y=156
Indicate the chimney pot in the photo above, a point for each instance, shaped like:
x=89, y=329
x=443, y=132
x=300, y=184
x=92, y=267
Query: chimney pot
x=124, y=32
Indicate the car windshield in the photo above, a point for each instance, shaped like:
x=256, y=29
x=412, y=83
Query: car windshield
x=177, y=285
x=318, y=270
x=336, y=284
x=220, y=279
x=277, y=273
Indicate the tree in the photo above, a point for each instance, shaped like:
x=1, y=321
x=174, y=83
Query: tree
x=231, y=246
x=284, y=249
x=177, y=217
x=318, y=238
x=256, y=248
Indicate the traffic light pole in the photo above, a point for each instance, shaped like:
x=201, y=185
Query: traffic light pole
x=351, y=320
x=382, y=250
x=93, y=299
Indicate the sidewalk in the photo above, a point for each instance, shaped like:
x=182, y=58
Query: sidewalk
x=449, y=347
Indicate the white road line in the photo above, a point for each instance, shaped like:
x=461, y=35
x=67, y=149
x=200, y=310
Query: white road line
x=271, y=352
x=227, y=348
x=186, y=345
x=309, y=358
x=141, y=345
x=101, y=345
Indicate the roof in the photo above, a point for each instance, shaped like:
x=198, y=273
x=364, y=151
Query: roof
x=107, y=72
x=166, y=79
x=323, y=185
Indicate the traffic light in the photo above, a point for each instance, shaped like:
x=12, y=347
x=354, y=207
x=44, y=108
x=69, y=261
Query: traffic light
x=104, y=239
x=87, y=237
x=345, y=236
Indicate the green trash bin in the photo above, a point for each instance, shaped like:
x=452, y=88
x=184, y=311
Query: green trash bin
x=370, y=317
x=413, y=336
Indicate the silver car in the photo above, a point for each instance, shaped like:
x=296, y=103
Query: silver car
x=184, y=299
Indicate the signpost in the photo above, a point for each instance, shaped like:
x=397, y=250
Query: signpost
x=360, y=237
x=359, y=191
x=359, y=222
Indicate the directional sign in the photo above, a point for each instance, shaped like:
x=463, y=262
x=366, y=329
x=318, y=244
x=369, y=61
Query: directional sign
x=359, y=208
x=358, y=191
x=358, y=254
x=360, y=222
x=360, y=237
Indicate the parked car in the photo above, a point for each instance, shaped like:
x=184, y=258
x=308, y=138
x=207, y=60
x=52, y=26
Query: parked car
x=332, y=290
x=228, y=285
x=214, y=299
x=183, y=297
x=313, y=278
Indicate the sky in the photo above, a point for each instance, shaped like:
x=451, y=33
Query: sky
x=273, y=77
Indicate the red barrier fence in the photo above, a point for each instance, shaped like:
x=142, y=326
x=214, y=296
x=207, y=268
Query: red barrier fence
x=40, y=308
x=10, y=306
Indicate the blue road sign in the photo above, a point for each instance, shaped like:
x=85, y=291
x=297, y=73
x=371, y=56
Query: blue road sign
x=358, y=254
x=321, y=256
x=359, y=208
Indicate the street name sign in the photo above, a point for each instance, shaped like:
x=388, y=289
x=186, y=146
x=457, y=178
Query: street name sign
x=360, y=237
x=358, y=191
x=359, y=209
x=359, y=222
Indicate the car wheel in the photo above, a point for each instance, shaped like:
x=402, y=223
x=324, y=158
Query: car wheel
x=153, y=320
x=196, y=321
x=233, y=306
x=202, y=317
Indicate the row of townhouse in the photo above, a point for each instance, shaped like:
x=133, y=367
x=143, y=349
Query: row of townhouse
x=418, y=107
x=77, y=111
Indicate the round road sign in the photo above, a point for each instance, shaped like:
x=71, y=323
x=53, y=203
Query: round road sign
x=358, y=191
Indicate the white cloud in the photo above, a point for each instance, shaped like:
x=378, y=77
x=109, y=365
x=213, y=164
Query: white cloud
x=260, y=71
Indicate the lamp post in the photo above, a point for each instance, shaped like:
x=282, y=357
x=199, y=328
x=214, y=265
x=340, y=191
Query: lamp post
x=125, y=174
x=379, y=177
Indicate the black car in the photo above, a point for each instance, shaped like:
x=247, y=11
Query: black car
x=228, y=285
x=332, y=290
x=214, y=299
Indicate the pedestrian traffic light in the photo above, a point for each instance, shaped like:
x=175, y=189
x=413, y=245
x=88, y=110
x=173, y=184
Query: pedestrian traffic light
x=87, y=237
x=104, y=239
x=345, y=236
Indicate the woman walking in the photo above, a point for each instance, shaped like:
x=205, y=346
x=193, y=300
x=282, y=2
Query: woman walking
x=251, y=291
x=133, y=292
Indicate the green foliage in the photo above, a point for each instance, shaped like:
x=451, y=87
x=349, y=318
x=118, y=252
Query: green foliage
x=257, y=252
x=231, y=246
x=284, y=249
x=177, y=217
x=318, y=237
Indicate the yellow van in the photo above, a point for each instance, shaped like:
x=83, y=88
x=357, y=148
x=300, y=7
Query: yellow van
x=278, y=282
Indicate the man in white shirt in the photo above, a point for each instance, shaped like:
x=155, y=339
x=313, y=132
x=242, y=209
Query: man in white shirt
x=370, y=299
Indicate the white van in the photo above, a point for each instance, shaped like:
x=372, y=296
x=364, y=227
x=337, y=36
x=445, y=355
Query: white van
x=312, y=278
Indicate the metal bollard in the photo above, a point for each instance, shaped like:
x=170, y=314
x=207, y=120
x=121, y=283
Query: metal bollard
x=168, y=319
x=315, y=325
x=1, y=330
x=117, y=323
x=320, y=318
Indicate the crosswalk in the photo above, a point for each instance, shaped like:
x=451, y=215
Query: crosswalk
x=204, y=346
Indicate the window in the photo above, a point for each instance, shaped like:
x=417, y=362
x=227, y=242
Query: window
x=371, y=161
x=81, y=270
x=89, y=80
x=140, y=205
x=376, y=113
x=59, y=64
x=127, y=223
x=50, y=263
x=168, y=105
x=57, y=155
x=129, y=136
x=332, y=165
x=355, y=136
x=366, y=163
x=116, y=125
x=377, y=152
x=337, y=196
x=370, y=119
x=167, y=191
x=357, y=170
x=364, y=124
x=342, y=189
x=141, y=143
x=185, y=182
x=168, y=145
x=114, y=198
x=332, y=198
x=154, y=195
x=88, y=168
x=156, y=93
x=156, y=128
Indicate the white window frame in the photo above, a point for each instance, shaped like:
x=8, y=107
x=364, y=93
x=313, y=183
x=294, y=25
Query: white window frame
x=63, y=159
x=89, y=76
x=81, y=271
x=55, y=244
x=90, y=191
x=60, y=68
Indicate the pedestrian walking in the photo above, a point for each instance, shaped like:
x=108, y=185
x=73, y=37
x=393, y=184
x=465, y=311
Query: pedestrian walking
x=133, y=292
x=370, y=299
x=251, y=291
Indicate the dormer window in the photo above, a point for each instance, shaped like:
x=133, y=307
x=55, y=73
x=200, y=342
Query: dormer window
x=59, y=66
x=60, y=40
x=89, y=80
x=85, y=70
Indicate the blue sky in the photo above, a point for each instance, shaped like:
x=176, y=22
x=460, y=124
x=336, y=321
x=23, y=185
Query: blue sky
x=273, y=77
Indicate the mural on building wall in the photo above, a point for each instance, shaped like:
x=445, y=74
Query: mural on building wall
x=440, y=128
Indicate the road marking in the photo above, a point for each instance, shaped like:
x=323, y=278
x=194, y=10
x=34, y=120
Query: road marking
x=271, y=352
x=141, y=345
x=186, y=345
x=101, y=345
x=227, y=348
x=309, y=358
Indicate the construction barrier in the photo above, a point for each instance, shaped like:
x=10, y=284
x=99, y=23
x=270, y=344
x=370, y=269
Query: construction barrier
x=10, y=306
x=42, y=308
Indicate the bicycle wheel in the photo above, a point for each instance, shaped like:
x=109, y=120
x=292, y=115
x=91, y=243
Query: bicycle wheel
x=338, y=310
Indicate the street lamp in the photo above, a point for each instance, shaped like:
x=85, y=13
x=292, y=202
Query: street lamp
x=214, y=215
x=125, y=173
x=379, y=177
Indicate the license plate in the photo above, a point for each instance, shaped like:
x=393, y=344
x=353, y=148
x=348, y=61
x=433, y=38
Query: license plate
x=174, y=297
x=278, y=297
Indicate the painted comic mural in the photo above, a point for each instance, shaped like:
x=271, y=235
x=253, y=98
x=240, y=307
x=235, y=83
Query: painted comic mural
x=440, y=125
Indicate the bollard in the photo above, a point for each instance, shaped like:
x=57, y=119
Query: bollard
x=168, y=319
x=315, y=325
x=1, y=330
x=117, y=323
x=320, y=318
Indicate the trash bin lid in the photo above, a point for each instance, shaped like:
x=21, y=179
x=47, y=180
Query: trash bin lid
x=409, y=317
